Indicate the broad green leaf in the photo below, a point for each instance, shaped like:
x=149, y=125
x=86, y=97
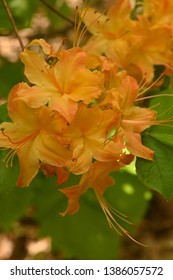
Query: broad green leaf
x=164, y=135
x=157, y=174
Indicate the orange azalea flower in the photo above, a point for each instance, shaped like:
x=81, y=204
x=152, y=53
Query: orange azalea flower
x=135, y=45
x=87, y=137
x=152, y=45
x=62, y=84
x=133, y=119
x=115, y=27
x=32, y=136
x=97, y=178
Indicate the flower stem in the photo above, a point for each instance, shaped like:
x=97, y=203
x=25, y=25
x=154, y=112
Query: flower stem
x=57, y=12
x=13, y=24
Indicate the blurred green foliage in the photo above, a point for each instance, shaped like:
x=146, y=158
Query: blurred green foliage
x=10, y=74
x=22, y=12
x=86, y=234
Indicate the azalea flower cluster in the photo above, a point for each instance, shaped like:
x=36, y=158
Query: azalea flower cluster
x=80, y=111
x=137, y=37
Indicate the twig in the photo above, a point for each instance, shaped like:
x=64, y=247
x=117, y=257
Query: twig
x=57, y=12
x=13, y=24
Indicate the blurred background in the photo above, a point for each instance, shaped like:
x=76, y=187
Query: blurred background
x=30, y=224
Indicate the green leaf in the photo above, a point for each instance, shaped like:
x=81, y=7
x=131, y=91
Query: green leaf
x=157, y=174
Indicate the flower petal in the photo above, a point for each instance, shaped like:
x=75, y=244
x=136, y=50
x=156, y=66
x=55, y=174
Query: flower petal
x=50, y=151
x=76, y=80
x=138, y=119
x=36, y=69
x=134, y=145
x=73, y=194
x=29, y=164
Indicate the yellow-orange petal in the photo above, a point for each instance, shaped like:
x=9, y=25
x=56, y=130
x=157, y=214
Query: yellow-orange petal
x=36, y=69
x=29, y=164
x=135, y=146
x=75, y=79
x=73, y=194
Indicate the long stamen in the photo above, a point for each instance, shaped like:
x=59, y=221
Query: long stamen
x=143, y=82
x=75, y=27
x=161, y=123
x=85, y=28
x=15, y=145
x=149, y=87
x=115, y=211
x=78, y=22
x=166, y=111
x=109, y=211
x=108, y=215
x=150, y=123
x=9, y=158
x=157, y=122
x=79, y=16
x=153, y=96
x=79, y=19
x=155, y=105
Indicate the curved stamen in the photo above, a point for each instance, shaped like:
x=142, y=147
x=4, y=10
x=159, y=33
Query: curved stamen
x=153, y=96
x=79, y=19
x=150, y=123
x=9, y=158
x=109, y=212
x=149, y=87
